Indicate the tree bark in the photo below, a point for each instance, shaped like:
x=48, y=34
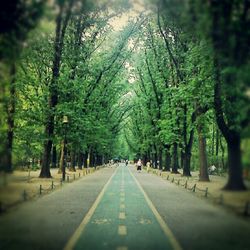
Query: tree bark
x=53, y=98
x=202, y=155
x=160, y=158
x=72, y=161
x=175, y=159
x=85, y=159
x=80, y=160
x=235, y=179
x=54, y=157
x=167, y=159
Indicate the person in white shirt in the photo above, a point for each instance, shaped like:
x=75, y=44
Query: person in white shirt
x=139, y=165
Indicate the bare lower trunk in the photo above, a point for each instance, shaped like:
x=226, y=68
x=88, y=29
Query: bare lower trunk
x=45, y=169
x=187, y=164
x=167, y=160
x=202, y=156
x=85, y=160
x=235, y=179
x=160, y=159
x=80, y=160
x=175, y=159
x=54, y=157
x=73, y=161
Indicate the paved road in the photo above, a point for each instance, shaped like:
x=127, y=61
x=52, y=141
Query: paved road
x=123, y=219
x=112, y=209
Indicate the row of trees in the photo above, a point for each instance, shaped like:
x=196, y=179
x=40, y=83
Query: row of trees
x=190, y=80
x=168, y=80
x=70, y=65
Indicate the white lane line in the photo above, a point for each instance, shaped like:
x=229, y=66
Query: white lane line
x=122, y=216
x=122, y=230
x=122, y=206
x=176, y=245
x=122, y=248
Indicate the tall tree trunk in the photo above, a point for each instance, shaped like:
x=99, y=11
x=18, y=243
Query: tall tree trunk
x=235, y=179
x=80, y=160
x=167, y=159
x=182, y=158
x=213, y=139
x=85, y=159
x=188, y=154
x=175, y=159
x=222, y=153
x=61, y=26
x=217, y=142
x=72, y=160
x=54, y=157
x=160, y=158
x=187, y=164
x=202, y=155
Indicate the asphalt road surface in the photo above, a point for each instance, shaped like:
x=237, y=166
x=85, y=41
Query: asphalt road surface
x=119, y=208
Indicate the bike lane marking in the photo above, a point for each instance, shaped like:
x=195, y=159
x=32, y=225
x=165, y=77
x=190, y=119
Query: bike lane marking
x=112, y=225
x=72, y=241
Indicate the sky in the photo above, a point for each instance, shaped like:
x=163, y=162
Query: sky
x=119, y=22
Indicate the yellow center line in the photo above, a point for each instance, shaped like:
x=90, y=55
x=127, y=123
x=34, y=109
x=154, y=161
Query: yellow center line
x=162, y=223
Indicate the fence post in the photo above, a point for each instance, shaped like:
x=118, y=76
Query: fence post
x=206, y=192
x=178, y=183
x=40, y=189
x=246, y=208
x=24, y=195
x=52, y=185
x=167, y=177
x=79, y=175
x=186, y=183
x=74, y=176
x=67, y=178
x=173, y=180
x=194, y=187
x=221, y=199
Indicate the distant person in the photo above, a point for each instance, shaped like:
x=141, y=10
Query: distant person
x=126, y=162
x=139, y=165
x=148, y=166
x=212, y=170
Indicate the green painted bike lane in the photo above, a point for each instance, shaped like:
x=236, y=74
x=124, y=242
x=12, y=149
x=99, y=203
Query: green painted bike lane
x=123, y=219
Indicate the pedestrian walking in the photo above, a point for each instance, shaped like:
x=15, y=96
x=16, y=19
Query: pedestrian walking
x=148, y=166
x=139, y=165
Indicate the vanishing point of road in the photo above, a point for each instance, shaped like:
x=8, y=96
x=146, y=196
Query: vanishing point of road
x=118, y=208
